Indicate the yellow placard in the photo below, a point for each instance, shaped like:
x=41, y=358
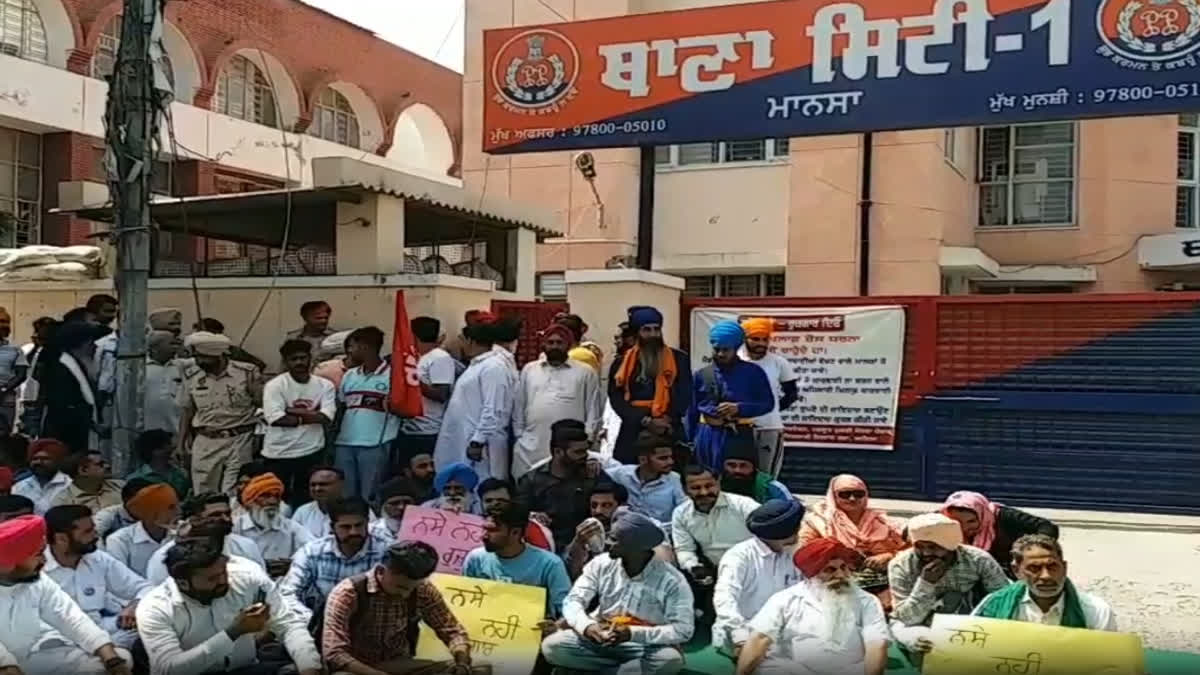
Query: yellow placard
x=501, y=620
x=970, y=645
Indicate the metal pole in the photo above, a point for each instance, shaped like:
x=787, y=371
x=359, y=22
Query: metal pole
x=645, y=224
x=131, y=131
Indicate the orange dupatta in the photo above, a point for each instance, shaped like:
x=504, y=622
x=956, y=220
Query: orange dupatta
x=667, y=372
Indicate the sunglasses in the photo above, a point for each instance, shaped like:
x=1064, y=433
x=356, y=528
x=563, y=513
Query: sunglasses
x=852, y=494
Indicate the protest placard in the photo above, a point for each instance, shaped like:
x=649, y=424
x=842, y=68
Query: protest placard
x=453, y=535
x=971, y=645
x=501, y=619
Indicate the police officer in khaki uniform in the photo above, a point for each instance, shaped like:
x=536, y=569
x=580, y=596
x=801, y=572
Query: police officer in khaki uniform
x=218, y=400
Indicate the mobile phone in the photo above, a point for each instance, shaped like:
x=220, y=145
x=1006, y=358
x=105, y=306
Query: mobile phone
x=261, y=598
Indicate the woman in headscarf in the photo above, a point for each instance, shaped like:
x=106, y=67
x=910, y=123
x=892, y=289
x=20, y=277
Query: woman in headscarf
x=845, y=515
x=994, y=527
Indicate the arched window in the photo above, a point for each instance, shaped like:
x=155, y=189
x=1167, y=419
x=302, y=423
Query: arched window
x=243, y=92
x=105, y=57
x=21, y=31
x=334, y=119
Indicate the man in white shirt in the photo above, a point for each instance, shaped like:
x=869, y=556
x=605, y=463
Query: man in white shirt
x=208, y=519
x=91, y=576
x=204, y=619
x=436, y=372
x=297, y=406
x=46, y=456
x=278, y=538
x=326, y=485
x=754, y=570
x=163, y=378
x=475, y=425
x=707, y=525
x=552, y=389
x=42, y=630
x=1043, y=593
x=644, y=608
x=768, y=429
x=823, y=625
x=157, y=511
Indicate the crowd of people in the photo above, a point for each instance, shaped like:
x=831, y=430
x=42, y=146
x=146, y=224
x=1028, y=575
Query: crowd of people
x=259, y=531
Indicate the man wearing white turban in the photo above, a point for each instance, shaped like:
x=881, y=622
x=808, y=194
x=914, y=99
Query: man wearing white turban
x=939, y=573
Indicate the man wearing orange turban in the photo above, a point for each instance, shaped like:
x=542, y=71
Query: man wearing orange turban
x=847, y=623
x=156, y=508
x=33, y=599
x=45, y=456
x=277, y=537
x=768, y=429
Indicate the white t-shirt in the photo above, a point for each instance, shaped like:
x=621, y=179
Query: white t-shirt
x=285, y=392
x=778, y=371
x=434, y=368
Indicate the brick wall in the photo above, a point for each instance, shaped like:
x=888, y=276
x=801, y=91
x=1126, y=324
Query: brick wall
x=66, y=157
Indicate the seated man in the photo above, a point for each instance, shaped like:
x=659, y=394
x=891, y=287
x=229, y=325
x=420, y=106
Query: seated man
x=493, y=492
x=753, y=571
x=1043, y=593
x=91, y=576
x=45, y=480
x=248, y=472
x=322, y=563
x=455, y=489
x=417, y=464
x=654, y=488
x=740, y=474
x=389, y=600
x=206, y=515
x=823, y=625
x=112, y=518
x=156, y=450
x=15, y=506
x=707, y=526
x=89, y=484
x=603, y=502
x=506, y=557
x=554, y=489
x=204, y=619
x=628, y=578
x=325, y=486
x=277, y=538
x=42, y=630
x=157, y=510
x=938, y=574
x=395, y=495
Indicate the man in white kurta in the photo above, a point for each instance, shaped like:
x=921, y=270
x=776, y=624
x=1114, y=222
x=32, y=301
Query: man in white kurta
x=552, y=389
x=163, y=377
x=475, y=425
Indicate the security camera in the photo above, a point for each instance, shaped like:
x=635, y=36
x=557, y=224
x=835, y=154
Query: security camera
x=586, y=165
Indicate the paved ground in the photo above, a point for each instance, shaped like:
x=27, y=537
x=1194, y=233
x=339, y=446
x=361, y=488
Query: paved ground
x=1151, y=578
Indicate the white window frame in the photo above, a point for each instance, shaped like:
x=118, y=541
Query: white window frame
x=341, y=119
x=1189, y=129
x=29, y=41
x=255, y=90
x=24, y=230
x=772, y=154
x=561, y=278
x=1011, y=181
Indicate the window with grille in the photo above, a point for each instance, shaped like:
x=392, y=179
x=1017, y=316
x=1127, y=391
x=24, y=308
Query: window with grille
x=740, y=285
x=243, y=92
x=1027, y=175
x=1186, y=201
x=20, y=188
x=950, y=145
x=721, y=152
x=552, y=286
x=733, y=286
x=22, y=33
x=774, y=285
x=699, y=287
x=104, y=59
x=334, y=119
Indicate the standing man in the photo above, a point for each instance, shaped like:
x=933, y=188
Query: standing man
x=552, y=389
x=297, y=407
x=644, y=608
x=30, y=601
x=768, y=429
x=436, y=373
x=650, y=386
x=556, y=488
x=13, y=370
x=316, y=315
x=102, y=309
x=167, y=319
x=91, y=576
x=728, y=394
x=89, y=485
x=475, y=427
x=277, y=538
x=31, y=406
x=67, y=385
x=163, y=378
x=218, y=401
x=368, y=425
x=46, y=480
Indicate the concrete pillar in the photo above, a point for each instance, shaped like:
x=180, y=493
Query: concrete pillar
x=370, y=235
x=604, y=296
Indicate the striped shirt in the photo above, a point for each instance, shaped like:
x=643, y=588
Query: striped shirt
x=659, y=599
x=915, y=600
x=320, y=565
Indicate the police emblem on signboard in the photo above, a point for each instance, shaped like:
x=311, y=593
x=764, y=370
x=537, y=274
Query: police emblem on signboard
x=1149, y=34
x=535, y=72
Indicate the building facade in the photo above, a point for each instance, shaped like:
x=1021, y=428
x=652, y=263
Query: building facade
x=1073, y=206
x=261, y=87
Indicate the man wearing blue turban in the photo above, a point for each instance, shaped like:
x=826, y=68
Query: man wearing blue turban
x=728, y=393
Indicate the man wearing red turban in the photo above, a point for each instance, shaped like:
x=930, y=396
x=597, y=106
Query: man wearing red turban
x=31, y=599
x=45, y=456
x=842, y=626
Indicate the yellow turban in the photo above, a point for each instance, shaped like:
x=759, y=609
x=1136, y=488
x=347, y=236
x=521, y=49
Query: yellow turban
x=586, y=357
x=152, y=501
x=262, y=485
x=758, y=327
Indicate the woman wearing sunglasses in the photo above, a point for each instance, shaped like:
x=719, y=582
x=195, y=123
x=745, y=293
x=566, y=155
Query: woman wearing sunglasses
x=844, y=515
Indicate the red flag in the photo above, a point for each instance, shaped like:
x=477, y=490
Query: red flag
x=405, y=395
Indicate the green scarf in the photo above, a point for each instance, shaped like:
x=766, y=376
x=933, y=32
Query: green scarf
x=1005, y=604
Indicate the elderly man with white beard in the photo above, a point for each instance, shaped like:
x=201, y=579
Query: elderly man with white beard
x=824, y=625
x=278, y=538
